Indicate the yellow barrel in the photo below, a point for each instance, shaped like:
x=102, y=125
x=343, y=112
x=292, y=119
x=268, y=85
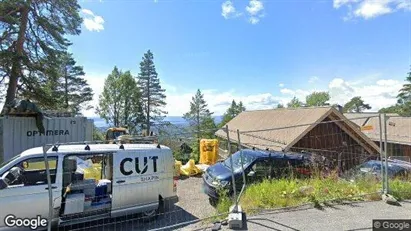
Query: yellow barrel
x=177, y=167
x=208, y=151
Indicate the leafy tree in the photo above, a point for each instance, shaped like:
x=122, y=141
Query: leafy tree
x=356, y=104
x=98, y=135
x=232, y=112
x=392, y=109
x=280, y=105
x=317, y=99
x=120, y=101
x=200, y=120
x=153, y=97
x=33, y=34
x=294, y=103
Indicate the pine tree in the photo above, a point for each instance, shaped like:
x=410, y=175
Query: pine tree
x=233, y=111
x=75, y=90
x=356, y=104
x=153, y=97
x=199, y=114
x=33, y=35
x=403, y=106
x=200, y=120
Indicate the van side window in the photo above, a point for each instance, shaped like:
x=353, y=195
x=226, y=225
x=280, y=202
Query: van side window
x=33, y=171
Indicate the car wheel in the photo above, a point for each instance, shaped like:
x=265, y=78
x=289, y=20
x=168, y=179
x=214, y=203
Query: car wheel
x=213, y=201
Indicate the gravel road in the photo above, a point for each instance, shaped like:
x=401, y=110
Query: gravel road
x=193, y=204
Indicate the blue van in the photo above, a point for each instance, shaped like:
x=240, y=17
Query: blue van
x=257, y=165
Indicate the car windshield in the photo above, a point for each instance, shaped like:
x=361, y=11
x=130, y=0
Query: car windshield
x=6, y=162
x=237, y=161
x=375, y=166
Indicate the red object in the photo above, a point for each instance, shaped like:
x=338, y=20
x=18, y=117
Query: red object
x=303, y=171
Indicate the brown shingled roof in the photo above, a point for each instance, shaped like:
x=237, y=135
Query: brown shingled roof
x=398, y=128
x=298, y=120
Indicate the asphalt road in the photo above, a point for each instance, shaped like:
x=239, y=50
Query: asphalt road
x=356, y=216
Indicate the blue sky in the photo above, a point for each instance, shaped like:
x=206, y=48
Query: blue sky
x=260, y=52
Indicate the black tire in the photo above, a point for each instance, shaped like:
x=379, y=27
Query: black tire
x=213, y=201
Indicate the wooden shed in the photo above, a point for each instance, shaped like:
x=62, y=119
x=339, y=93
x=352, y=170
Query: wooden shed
x=320, y=130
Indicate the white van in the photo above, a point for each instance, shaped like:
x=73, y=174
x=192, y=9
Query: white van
x=89, y=182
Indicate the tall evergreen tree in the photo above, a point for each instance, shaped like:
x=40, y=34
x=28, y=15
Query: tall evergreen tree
x=153, y=96
x=32, y=36
x=199, y=114
x=120, y=101
x=403, y=106
x=200, y=120
x=232, y=112
x=76, y=92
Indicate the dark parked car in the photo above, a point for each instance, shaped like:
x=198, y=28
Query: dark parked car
x=372, y=168
x=257, y=166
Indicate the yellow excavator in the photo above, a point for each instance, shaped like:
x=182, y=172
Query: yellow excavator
x=112, y=134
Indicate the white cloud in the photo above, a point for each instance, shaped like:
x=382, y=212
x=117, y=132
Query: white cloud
x=313, y=79
x=371, y=9
x=378, y=93
x=255, y=9
x=381, y=94
x=368, y=9
x=228, y=10
x=254, y=20
x=96, y=82
x=281, y=85
x=287, y=91
x=338, y=3
x=91, y=21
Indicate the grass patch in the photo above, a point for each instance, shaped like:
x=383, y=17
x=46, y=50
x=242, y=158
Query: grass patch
x=281, y=193
x=400, y=189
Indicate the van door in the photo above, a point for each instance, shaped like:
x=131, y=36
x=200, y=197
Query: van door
x=136, y=179
x=28, y=197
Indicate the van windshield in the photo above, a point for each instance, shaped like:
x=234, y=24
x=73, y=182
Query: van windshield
x=5, y=163
x=246, y=160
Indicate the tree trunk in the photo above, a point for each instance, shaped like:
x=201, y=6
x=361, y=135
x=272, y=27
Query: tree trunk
x=66, y=88
x=148, y=106
x=19, y=48
x=198, y=125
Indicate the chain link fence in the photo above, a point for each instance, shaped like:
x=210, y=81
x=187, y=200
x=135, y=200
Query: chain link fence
x=333, y=160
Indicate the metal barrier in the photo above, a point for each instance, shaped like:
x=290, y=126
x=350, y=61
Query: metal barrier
x=332, y=160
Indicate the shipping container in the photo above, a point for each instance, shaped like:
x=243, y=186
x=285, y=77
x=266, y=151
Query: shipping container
x=20, y=133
